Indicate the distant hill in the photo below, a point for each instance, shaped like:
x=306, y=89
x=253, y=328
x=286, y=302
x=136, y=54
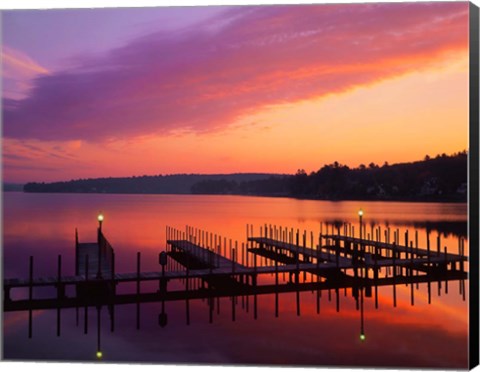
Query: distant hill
x=12, y=187
x=442, y=178
x=168, y=184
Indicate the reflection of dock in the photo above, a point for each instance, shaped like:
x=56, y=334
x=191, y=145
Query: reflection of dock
x=205, y=292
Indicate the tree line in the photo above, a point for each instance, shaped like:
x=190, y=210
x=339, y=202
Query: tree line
x=442, y=178
x=439, y=178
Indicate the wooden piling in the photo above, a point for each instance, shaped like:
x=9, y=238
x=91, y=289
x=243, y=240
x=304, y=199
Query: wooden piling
x=138, y=273
x=30, y=297
x=187, y=304
x=60, y=291
x=446, y=269
x=411, y=274
x=276, y=288
x=298, y=301
x=428, y=249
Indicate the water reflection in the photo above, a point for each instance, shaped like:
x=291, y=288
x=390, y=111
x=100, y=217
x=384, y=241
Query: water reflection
x=282, y=322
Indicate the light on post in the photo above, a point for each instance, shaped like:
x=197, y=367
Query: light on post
x=362, y=337
x=100, y=220
x=99, y=354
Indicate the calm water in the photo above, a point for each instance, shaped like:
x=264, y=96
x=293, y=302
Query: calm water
x=43, y=225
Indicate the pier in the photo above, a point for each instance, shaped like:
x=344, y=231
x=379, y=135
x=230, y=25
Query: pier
x=274, y=260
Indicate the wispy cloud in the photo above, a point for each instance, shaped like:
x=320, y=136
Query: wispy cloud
x=202, y=78
x=20, y=152
x=18, y=70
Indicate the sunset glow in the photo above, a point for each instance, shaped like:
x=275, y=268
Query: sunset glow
x=231, y=89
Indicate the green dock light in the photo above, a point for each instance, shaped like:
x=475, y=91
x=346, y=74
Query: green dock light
x=362, y=337
x=99, y=354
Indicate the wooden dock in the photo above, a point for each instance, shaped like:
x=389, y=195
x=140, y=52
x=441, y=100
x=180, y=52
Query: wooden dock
x=207, y=258
x=224, y=265
x=94, y=260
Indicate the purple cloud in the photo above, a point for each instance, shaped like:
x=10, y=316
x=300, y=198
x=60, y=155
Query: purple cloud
x=202, y=78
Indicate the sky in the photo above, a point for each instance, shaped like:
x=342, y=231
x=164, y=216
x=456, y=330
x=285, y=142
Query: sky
x=121, y=92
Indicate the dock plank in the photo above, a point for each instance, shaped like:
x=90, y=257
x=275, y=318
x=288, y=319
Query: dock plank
x=204, y=255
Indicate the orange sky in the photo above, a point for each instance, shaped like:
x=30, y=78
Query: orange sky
x=267, y=90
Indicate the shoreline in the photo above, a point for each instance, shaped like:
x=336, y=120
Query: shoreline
x=388, y=200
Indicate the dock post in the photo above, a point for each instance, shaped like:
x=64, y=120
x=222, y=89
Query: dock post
x=429, y=290
x=298, y=300
x=297, y=256
x=6, y=295
x=463, y=254
x=138, y=273
x=233, y=277
x=211, y=263
x=30, y=279
x=210, y=302
x=446, y=269
x=337, y=299
x=138, y=290
x=187, y=304
x=394, y=269
x=254, y=277
x=86, y=267
x=85, y=322
x=224, y=246
x=276, y=288
x=30, y=296
x=76, y=252
x=411, y=274
x=305, y=259
x=320, y=235
x=60, y=287
x=243, y=254
x=428, y=253
x=337, y=254
x=60, y=291
x=112, y=275
x=99, y=271
x=162, y=260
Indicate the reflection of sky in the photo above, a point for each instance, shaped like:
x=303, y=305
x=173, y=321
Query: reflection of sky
x=395, y=338
x=422, y=335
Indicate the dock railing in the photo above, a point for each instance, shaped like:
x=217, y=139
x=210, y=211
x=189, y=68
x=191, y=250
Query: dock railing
x=105, y=250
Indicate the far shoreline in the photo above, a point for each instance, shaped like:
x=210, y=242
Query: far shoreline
x=393, y=200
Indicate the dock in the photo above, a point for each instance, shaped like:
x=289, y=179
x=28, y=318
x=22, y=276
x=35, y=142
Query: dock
x=94, y=259
x=227, y=267
x=271, y=261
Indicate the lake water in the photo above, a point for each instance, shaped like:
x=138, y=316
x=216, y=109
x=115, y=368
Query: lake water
x=43, y=225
